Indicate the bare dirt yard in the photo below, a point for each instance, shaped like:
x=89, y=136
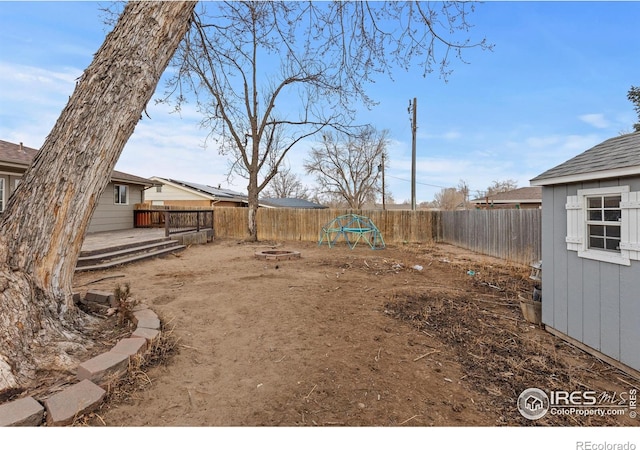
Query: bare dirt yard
x=342, y=337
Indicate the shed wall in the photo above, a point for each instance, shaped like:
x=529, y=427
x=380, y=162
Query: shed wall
x=594, y=302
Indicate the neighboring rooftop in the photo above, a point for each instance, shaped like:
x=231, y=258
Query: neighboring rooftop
x=217, y=192
x=292, y=203
x=16, y=154
x=520, y=195
x=613, y=158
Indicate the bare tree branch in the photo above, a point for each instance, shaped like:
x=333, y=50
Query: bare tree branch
x=349, y=168
x=267, y=75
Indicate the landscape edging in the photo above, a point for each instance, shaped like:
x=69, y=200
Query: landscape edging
x=85, y=396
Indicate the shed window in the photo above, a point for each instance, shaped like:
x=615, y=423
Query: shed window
x=604, y=218
x=604, y=224
x=121, y=193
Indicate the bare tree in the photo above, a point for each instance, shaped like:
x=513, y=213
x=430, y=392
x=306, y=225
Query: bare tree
x=286, y=184
x=449, y=199
x=463, y=188
x=498, y=186
x=349, y=168
x=43, y=227
x=267, y=75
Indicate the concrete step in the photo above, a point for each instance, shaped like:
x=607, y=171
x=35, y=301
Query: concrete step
x=111, y=258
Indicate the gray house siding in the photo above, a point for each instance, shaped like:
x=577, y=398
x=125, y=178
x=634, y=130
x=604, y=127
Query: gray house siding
x=594, y=302
x=110, y=216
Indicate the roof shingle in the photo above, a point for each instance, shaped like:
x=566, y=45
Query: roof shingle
x=621, y=152
x=21, y=156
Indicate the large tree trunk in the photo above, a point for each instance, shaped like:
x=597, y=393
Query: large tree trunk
x=43, y=227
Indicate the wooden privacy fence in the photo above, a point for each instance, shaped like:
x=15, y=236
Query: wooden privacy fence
x=306, y=224
x=511, y=234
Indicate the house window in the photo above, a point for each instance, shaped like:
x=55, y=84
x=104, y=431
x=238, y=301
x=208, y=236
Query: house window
x=604, y=220
x=121, y=194
x=604, y=224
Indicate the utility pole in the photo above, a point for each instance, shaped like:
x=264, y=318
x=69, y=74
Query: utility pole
x=413, y=110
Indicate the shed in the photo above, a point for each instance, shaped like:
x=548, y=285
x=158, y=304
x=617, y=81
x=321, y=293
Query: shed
x=591, y=250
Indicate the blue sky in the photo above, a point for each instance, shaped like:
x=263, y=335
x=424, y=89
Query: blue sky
x=554, y=85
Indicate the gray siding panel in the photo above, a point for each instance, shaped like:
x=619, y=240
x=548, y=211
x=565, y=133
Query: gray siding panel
x=630, y=316
x=110, y=217
x=591, y=305
x=560, y=284
x=576, y=290
x=548, y=263
x=575, y=296
x=610, y=310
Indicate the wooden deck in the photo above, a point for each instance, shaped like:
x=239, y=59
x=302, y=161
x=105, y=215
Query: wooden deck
x=121, y=238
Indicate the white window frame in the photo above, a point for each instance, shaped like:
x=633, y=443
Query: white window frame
x=597, y=217
x=3, y=188
x=117, y=194
x=578, y=225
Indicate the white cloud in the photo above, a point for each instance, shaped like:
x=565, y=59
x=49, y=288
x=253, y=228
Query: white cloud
x=595, y=120
x=444, y=135
x=31, y=100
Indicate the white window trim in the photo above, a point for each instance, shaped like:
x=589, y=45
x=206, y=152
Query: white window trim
x=3, y=195
x=577, y=231
x=127, y=194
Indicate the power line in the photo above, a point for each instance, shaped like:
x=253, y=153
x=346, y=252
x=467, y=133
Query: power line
x=418, y=182
x=426, y=184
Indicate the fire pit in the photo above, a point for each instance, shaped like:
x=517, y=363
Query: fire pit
x=277, y=255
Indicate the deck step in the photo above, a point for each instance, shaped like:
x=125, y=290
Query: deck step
x=124, y=255
x=114, y=248
x=119, y=252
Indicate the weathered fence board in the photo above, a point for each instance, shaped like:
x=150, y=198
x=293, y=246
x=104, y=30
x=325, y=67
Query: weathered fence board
x=306, y=224
x=512, y=234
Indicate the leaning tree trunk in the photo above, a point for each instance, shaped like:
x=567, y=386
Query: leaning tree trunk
x=43, y=227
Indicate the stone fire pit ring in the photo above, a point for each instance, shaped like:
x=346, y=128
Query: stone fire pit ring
x=277, y=255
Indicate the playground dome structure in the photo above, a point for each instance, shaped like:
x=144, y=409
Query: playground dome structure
x=354, y=229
